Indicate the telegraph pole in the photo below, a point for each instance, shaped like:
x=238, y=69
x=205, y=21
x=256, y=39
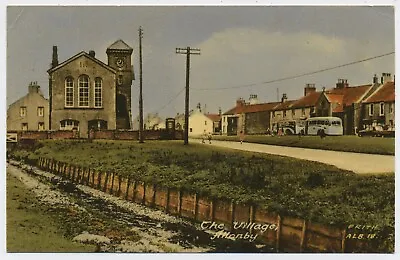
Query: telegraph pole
x=188, y=51
x=141, y=87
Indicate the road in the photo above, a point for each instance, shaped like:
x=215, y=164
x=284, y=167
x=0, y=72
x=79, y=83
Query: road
x=356, y=162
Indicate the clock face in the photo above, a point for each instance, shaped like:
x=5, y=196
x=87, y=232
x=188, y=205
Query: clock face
x=120, y=62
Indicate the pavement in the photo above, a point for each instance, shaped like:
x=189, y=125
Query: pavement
x=356, y=162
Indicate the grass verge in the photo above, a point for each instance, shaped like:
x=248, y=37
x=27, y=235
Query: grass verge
x=30, y=228
x=288, y=186
x=371, y=145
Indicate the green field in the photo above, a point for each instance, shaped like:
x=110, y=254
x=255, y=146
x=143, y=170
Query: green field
x=346, y=143
x=289, y=186
x=29, y=226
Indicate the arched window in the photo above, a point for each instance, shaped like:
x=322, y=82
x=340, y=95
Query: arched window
x=83, y=83
x=98, y=89
x=69, y=92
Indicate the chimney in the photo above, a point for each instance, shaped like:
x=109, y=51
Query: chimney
x=253, y=99
x=284, y=97
x=240, y=102
x=33, y=87
x=54, y=61
x=92, y=53
x=342, y=83
x=219, y=111
x=375, y=79
x=386, y=77
x=310, y=88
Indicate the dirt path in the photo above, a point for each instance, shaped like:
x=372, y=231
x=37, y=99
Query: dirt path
x=356, y=162
x=117, y=225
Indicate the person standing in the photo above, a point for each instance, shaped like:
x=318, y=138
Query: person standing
x=241, y=137
x=209, y=137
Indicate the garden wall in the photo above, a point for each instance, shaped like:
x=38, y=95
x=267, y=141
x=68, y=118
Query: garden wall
x=286, y=234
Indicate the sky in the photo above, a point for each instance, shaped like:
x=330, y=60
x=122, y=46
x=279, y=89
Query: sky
x=240, y=46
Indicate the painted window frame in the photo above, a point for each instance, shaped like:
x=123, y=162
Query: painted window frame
x=40, y=111
x=381, y=109
x=83, y=90
x=41, y=126
x=371, y=109
x=22, y=111
x=98, y=92
x=69, y=92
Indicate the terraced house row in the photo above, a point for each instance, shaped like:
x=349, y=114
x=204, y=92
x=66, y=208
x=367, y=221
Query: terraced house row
x=360, y=107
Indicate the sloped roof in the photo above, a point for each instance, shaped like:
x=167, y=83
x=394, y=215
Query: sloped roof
x=260, y=107
x=82, y=53
x=231, y=111
x=119, y=45
x=385, y=93
x=307, y=101
x=285, y=105
x=334, y=98
x=350, y=94
x=214, y=117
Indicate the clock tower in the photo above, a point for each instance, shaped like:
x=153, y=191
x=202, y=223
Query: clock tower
x=120, y=58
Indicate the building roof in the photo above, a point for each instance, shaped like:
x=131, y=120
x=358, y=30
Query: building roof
x=119, y=45
x=384, y=93
x=231, y=111
x=82, y=53
x=260, y=107
x=214, y=117
x=307, y=101
x=350, y=94
x=285, y=105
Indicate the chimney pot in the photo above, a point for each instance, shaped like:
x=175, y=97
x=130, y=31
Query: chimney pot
x=92, y=53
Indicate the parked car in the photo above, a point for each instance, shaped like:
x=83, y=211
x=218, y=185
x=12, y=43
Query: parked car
x=376, y=133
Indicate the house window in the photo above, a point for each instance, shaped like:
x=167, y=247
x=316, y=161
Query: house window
x=293, y=112
x=391, y=105
x=284, y=113
x=40, y=126
x=205, y=122
x=83, y=83
x=24, y=126
x=303, y=112
x=312, y=109
x=191, y=130
x=22, y=111
x=98, y=87
x=381, y=109
x=273, y=114
x=69, y=124
x=371, y=109
x=69, y=92
x=40, y=111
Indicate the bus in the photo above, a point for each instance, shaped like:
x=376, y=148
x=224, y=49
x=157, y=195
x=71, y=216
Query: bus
x=324, y=126
x=292, y=127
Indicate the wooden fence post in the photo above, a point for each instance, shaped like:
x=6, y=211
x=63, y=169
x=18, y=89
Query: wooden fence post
x=98, y=181
x=107, y=175
x=303, y=236
x=153, y=199
x=196, y=206
x=212, y=212
x=144, y=194
x=179, y=202
x=73, y=173
x=128, y=184
x=232, y=209
x=167, y=203
x=134, y=190
x=278, y=233
x=344, y=241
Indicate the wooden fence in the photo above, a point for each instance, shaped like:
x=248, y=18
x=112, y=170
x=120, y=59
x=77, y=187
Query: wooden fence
x=286, y=234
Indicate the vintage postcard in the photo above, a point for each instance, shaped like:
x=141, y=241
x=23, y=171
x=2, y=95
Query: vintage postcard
x=200, y=129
